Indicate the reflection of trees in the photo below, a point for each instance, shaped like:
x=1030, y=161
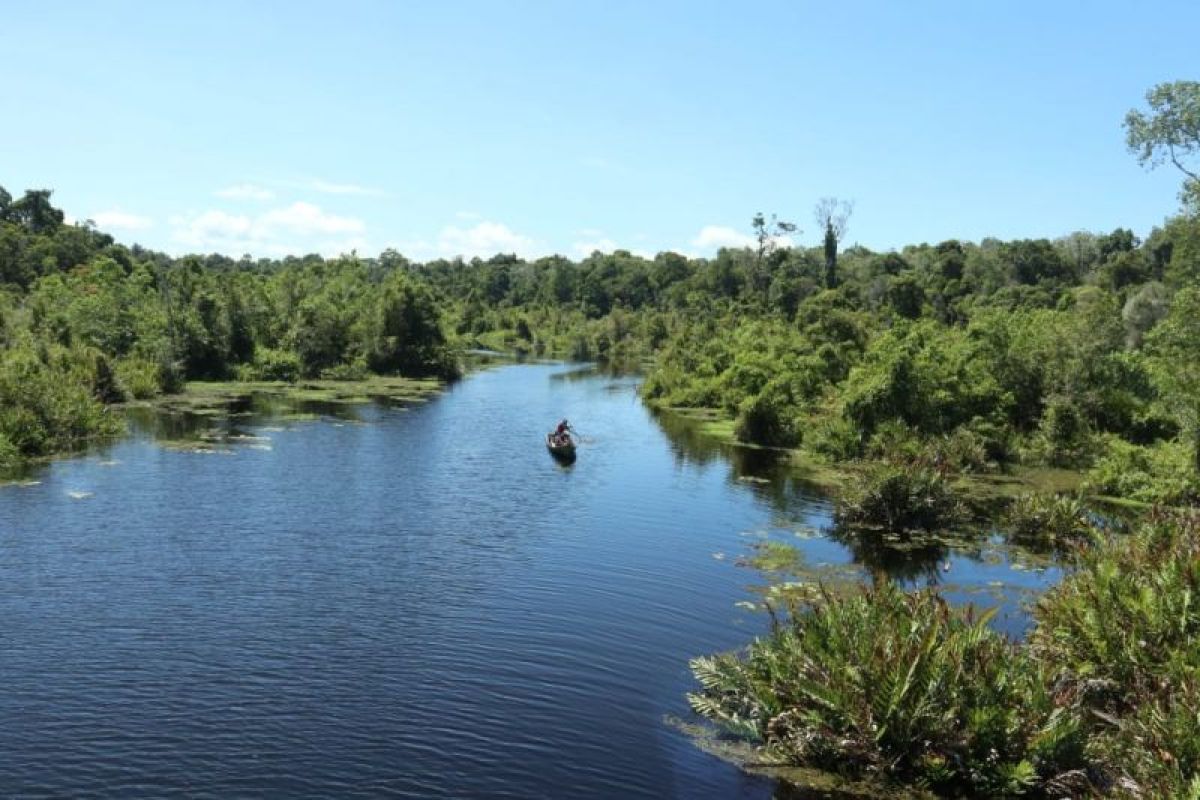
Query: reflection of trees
x=908, y=557
x=767, y=472
x=911, y=558
x=688, y=444
x=227, y=416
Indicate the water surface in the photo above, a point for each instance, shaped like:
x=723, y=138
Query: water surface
x=386, y=601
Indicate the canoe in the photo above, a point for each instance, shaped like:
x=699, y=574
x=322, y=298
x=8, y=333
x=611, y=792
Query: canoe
x=564, y=449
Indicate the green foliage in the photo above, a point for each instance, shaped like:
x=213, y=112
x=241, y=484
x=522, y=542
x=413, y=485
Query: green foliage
x=140, y=378
x=1171, y=131
x=1122, y=634
x=272, y=365
x=1050, y=521
x=899, y=685
x=900, y=497
x=47, y=400
x=1162, y=473
x=1103, y=699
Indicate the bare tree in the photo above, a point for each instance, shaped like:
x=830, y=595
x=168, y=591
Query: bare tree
x=832, y=215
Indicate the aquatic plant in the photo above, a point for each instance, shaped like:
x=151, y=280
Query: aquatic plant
x=896, y=685
x=1048, y=521
x=900, y=497
x=1122, y=634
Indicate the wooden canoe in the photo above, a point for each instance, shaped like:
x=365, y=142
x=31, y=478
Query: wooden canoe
x=564, y=448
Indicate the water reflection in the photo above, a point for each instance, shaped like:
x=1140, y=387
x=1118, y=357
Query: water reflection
x=974, y=563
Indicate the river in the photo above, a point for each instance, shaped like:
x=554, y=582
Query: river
x=402, y=601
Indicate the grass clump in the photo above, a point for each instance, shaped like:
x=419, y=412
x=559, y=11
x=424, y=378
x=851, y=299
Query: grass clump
x=1102, y=700
x=1123, y=635
x=1047, y=521
x=894, y=685
x=900, y=497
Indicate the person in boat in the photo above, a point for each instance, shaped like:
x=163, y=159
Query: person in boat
x=560, y=433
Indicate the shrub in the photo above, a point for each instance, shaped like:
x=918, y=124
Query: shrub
x=272, y=365
x=835, y=438
x=899, y=685
x=1050, y=521
x=9, y=455
x=1162, y=473
x=900, y=497
x=139, y=377
x=353, y=371
x=1122, y=634
x=766, y=418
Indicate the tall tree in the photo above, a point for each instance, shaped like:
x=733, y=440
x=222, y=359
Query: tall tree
x=832, y=215
x=1171, y=132
x=769, y=235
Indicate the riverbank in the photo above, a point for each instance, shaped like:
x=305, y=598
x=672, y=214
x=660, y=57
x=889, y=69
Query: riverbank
x=1000, y=485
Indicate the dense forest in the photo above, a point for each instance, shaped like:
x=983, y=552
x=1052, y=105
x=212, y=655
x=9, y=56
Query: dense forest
x=927, y=361
x=1075, y=352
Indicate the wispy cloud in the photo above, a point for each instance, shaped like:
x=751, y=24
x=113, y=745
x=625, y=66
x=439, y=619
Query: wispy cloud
x=293, y=229
x=245, y=191
x=714, y=237
x=482, y=240
x=584, y=249
x=121, y=220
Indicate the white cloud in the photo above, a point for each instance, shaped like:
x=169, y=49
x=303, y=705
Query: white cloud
x=586, y=248
x=120, y=220
x=245, y=191
x=295, y=229
x=714, y=237
x=484, y=239
x=305, y=218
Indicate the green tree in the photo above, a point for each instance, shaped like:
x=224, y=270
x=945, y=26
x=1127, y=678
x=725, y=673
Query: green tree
x=1174, y=346
x=1169, y=132
x=832, y=215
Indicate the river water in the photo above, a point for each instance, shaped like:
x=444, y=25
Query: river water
x=386, y=601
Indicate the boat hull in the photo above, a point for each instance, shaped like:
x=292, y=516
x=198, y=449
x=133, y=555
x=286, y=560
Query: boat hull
x=561, y=451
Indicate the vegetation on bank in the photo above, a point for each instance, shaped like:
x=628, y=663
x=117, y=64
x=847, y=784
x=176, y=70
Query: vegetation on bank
x=916, y=366
x=1104, y=698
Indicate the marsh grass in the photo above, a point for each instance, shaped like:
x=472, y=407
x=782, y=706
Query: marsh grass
x=900, y=497
x=1047, y=522
x=1102, y=700
x=895, y=685
x=1123, y=636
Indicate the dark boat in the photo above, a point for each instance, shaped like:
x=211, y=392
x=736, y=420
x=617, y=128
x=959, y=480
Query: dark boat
x=561, y=447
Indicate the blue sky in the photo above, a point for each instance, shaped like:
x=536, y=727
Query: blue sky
x=471, y=128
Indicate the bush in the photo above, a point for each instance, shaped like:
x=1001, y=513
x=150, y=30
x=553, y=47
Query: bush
x=48, y=402
x=835, y=438
x=272, y=365
x=1050, y=521
x=10, y=457
x=139, y=378
x=896, y=685
x=1122, y=634
x=1162, y=473
x=354, y=371
x=900, y=497
x=766, y=419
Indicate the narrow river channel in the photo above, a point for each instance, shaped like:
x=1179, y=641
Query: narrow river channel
x=381, y=601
